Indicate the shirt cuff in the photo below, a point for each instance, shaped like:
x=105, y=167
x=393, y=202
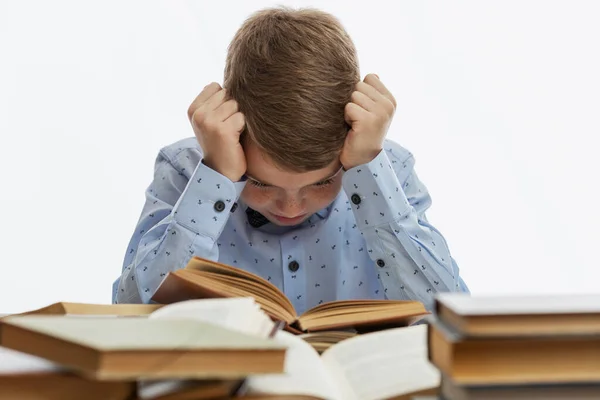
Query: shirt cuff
x=375, y=193
x=207, y=202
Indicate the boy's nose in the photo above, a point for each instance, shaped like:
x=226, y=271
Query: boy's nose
x=291, y=207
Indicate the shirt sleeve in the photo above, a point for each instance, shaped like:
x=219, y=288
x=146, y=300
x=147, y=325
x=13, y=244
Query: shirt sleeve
x=183, y=215
x=389, y=203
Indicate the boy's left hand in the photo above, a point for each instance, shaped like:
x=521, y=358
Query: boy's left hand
x=369, y=113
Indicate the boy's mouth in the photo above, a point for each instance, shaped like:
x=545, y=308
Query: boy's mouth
x=288, y=220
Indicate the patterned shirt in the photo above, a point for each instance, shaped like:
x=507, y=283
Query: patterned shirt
x=372, y=242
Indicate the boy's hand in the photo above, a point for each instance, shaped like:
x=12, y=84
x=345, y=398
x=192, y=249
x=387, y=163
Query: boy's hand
x=218, y=125
x=369, y=113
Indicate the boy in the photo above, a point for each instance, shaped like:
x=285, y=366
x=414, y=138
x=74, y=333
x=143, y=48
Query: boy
x=289, y=176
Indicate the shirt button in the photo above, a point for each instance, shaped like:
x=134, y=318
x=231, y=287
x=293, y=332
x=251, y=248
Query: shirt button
x=234, y=207
x=380, y=263
x=293, y=266
x=355, y=199
x=219, y=206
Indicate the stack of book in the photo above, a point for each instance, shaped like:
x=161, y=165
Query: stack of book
x=75, y=351
x=516, y=347
x=217, y=332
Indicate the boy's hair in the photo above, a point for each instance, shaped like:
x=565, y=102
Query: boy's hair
x=292, y=72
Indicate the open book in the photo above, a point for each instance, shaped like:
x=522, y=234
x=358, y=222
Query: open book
x=127, y=348
x=390, y=364
x=202, y=278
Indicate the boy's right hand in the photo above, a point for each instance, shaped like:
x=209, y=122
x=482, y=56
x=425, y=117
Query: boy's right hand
x=218, y=125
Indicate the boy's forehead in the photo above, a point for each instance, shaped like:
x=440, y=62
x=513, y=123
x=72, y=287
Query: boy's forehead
x=262, y=169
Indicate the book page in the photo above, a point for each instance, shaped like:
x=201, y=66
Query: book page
x=383, y=364
x=464, y=304
x=361, y=313
x=262, y=285
x=150, y=336
x=239, y=313
x=304, y=374
x=111, y=310
x=236, y=313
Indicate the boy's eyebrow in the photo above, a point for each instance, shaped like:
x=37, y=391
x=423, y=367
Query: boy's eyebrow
x=310, y=184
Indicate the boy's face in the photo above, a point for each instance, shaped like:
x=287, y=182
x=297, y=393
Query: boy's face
x=288, y=198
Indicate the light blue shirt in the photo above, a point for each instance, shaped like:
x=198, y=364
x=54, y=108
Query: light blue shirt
x=372, y=242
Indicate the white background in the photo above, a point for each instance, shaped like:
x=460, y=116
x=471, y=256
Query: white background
x=498, y=100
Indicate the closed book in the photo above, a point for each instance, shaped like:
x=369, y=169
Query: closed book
x=27, y=377
x=474, y=360
x=135, y=348
x=535, y=315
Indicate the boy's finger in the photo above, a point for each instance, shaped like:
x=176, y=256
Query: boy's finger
x=354, y=112
x=236, y=122
x=374, y=81
x=204, y=95
x=370, y=91
x=226, y=110
x=363, y=100
x=215, y=100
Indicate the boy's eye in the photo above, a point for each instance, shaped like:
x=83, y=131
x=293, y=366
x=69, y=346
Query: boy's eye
x=324, y=183
x=263, y=185
x=257, y=184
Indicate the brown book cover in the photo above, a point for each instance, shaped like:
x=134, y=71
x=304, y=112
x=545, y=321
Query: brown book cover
x=503, y=315
x=70, y=308
x=26, y=377
x=502, y=360
x=202, y=278
x=141, y=348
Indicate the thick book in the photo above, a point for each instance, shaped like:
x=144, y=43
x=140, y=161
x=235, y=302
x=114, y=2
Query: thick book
x=26, y=377
x=505, y=360
x=138, y=348
x=202, y=278
x=520, y=315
